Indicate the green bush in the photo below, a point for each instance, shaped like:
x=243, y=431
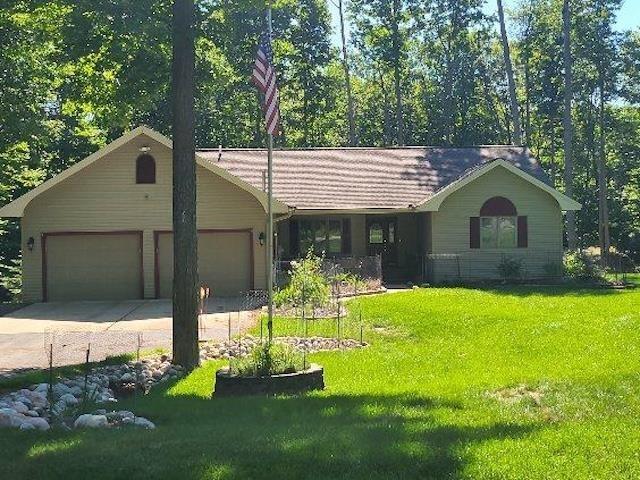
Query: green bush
x=268, y=359
x=581, y=266
x=307, y=287
x=510, y=268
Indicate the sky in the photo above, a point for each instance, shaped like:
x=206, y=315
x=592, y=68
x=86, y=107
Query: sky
x=628, y=17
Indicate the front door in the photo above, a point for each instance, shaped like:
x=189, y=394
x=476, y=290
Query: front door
x=382, y=239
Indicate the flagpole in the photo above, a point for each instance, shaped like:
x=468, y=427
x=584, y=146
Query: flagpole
x=270, y=209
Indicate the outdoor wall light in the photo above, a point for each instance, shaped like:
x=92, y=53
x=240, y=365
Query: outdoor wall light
x=145, y=149
x=30, y=243
x=261, y=238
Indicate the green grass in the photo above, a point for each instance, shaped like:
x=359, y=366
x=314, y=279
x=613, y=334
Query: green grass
x=415, y=404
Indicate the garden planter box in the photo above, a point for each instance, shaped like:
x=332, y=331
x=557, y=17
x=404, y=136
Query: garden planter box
x=228, y=385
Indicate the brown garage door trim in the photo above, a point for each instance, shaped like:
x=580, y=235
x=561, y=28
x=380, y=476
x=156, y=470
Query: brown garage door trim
x=46, y=235
x=156, y=261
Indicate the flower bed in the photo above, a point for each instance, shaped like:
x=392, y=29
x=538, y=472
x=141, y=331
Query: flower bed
x=229, y=385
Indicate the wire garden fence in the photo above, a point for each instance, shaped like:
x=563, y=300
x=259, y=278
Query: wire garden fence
x=487, y=265
x=367, y=270
x=83, y=384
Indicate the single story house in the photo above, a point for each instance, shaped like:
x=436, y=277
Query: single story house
x=102, y=228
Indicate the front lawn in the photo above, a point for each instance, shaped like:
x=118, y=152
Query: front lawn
x=456, y=383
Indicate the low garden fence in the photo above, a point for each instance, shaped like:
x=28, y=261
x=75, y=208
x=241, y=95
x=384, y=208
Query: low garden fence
x=72, y=379
x=366, y=270
x=479, y=266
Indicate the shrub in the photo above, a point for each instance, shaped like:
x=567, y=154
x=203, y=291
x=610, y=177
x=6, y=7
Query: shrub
x=510, y=268
x=581, y=266
x=268, y=359
x=308, y=286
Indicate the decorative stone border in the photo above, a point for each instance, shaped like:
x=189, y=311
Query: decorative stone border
x=229, y=385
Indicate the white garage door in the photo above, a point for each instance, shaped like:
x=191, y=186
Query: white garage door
x=82, y=266
x=224, y=262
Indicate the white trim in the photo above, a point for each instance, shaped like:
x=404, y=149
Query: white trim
x=433, y=203
x=17, y=207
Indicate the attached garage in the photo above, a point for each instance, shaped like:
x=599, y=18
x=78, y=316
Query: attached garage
x=92, y=266
x=225, y=261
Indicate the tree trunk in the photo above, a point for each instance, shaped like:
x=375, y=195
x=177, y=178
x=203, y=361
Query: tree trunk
x=568, y=123
x=515, y=110
x=603, y=208
x=386, y=130
x=185, y=270
x=396, y=72
x=347, y=75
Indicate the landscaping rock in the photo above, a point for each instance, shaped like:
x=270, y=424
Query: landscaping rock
x=68, y=400
x=27, y=426
x=38, y=423
x=10, y=418
x=29, y=409
x=144, y=423
x=91, y=421
x=243, y=347
x=20, y=407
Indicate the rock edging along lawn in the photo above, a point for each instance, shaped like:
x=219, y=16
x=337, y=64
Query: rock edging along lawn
x=241, y=347
x=30, y=408
x=230, y=385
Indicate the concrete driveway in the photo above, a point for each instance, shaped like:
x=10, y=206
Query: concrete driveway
x=23, y=332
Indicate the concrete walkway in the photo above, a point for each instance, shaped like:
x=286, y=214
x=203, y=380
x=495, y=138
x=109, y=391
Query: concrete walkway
x=23, y=332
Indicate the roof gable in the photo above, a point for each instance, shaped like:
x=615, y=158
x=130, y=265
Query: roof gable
x=432, y=203
x=17, y=207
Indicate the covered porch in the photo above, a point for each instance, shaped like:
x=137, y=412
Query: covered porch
x=401, y=239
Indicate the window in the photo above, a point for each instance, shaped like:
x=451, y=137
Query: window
x=498, y=232
x=321, y=235
x=498, y=226
x=145, y=169
x=376, y=233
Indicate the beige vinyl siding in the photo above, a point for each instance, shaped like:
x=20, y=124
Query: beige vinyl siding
x=105, y=197
x=450, y=228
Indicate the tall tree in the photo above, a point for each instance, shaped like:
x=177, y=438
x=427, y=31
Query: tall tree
x=185, y=245
x=347, y=78
x=567, y=120
x=515, y=110
x=396, y=57
x=381, y=35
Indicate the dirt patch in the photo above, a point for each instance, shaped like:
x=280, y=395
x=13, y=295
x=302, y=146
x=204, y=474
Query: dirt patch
x=521, y=393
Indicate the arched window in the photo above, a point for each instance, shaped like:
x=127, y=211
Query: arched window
x=498, y=206
x=145, y=169
x=498, y=226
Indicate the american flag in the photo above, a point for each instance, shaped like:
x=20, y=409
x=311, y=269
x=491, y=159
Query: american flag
x=264, y=76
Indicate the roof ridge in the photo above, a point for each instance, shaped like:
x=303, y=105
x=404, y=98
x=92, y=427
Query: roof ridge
x=363, y=148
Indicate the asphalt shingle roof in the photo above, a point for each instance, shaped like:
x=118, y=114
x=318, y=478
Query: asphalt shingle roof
x=359, y=178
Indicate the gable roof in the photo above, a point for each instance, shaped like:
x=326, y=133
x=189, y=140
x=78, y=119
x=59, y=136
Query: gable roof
x=334, y=179
x=433, y=202
x=366, y=178
x=16, y=208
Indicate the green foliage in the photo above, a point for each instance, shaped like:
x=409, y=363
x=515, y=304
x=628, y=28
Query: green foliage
x=75, y=74
x=510, y=268
x=268, y=359
x=581, y=266
x=308, y=286
x=416, y=403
